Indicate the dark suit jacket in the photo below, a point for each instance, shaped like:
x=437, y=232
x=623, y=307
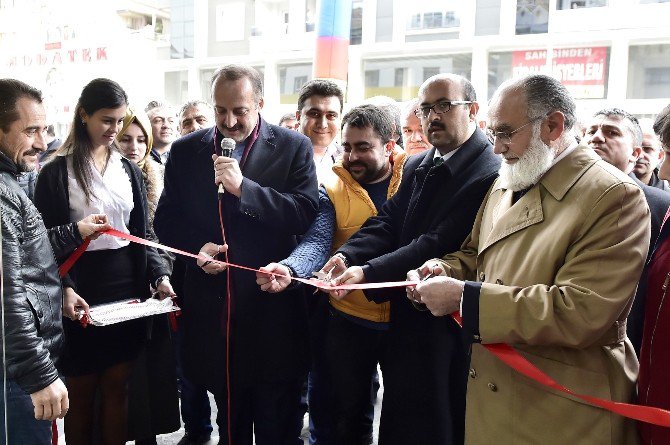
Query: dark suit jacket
x=425, y=363
x=279, y=201
x=658, y=201
x=429, y=216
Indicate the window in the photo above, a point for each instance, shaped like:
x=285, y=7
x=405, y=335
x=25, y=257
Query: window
x=400, y=78
x=356, y=32
x=578, y=4
x=648, y=72
x=448, y=17
x=298, y=82
x=181, y=31
x=430, y=71
x=291, y=79
x=532, y=16
x=414, y=22
x=310, y=20
x=372, y=78
x=432, y=20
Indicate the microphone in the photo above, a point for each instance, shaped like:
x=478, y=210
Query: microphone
x=227, y=147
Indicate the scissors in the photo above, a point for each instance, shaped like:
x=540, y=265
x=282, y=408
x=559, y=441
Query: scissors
x=324, y=277
x=421, y=306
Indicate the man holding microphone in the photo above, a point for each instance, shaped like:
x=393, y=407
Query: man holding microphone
x=249, y=349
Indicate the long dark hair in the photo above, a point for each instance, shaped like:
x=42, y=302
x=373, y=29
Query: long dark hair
x=96, y=95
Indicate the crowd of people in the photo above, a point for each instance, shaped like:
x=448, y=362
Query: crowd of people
x=538, y=229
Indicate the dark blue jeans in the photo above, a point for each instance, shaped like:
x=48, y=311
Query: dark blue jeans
x=22, y=428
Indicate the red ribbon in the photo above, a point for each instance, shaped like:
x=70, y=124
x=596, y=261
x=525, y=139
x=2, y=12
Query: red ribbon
x=502, y=351
x=520, y=364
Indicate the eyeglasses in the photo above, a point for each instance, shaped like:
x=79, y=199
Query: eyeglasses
x=505, y=137
x=439, y=108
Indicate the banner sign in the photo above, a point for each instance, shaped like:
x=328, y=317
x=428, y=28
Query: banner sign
x=583, y=71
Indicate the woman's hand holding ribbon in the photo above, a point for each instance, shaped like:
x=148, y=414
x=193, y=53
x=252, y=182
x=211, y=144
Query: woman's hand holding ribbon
x=92, y=226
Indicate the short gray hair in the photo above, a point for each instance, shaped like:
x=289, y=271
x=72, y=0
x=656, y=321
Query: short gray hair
x=545, y=94
x=194, y=103
x=633, y=124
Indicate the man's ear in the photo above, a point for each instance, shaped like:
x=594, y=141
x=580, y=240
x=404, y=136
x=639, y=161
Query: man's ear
x=388, y=147
x=297, y=115
x=637, y=151
x=474, y=109
x=554, y=125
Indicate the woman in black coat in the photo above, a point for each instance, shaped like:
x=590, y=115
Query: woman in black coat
x=89, y=173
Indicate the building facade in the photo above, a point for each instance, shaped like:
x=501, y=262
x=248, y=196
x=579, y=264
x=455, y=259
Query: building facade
x=607, y=52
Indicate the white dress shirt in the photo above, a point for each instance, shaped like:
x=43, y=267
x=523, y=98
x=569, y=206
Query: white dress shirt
x=111, y=194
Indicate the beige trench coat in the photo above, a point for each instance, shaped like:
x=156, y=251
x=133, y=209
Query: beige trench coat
x=559, y=269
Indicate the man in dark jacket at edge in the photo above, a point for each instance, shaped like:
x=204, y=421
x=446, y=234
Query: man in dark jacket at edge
x=425, y=360
x=32, y=295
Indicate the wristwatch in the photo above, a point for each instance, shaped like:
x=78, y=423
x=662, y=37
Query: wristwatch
x=160, y=279
x=344, y=259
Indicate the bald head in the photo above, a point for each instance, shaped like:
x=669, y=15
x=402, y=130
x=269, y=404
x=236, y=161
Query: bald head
x=467, y=89
x=448, y=110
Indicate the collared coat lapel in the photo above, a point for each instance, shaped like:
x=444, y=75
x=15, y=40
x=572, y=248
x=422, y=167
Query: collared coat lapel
x=262, y=152
x=502, y=219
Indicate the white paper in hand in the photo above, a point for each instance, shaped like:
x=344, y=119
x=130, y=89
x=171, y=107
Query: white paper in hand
x=120, y=311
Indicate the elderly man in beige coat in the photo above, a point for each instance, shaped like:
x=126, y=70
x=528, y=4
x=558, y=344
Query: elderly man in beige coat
x=550, y=266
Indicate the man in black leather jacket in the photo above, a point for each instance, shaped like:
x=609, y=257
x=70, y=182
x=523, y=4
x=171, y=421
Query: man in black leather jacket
x=32, y=293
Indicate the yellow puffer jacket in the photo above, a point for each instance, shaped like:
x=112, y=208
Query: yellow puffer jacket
x=353, y=207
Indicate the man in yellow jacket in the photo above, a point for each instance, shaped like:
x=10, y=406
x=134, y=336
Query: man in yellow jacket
x=368, y=174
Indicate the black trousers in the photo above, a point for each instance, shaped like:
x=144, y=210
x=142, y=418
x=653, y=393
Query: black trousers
x=352, y=354
x=424, y=364
x=264, y=410
x=425, y=369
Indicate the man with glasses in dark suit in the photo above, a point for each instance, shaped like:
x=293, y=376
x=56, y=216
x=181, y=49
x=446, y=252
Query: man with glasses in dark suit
x=424, y=361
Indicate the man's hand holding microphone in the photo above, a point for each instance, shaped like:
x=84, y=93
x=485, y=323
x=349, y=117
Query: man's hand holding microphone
x=227, y=173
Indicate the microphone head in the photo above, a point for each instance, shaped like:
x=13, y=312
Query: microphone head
x=227, y=146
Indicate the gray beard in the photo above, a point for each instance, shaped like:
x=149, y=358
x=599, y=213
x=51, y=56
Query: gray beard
x=531, y=166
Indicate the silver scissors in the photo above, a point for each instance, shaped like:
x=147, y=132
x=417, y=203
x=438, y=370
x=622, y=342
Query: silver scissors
x=416, y=304
x=324, y=277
